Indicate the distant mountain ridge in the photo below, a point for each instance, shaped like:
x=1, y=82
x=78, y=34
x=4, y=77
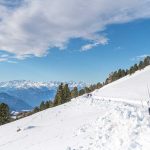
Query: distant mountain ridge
x=14, y=103
x=31, y=84
x=32, y=92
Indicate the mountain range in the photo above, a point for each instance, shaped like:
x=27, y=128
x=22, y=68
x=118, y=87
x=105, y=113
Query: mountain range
x=14, y=103
x=29, y=93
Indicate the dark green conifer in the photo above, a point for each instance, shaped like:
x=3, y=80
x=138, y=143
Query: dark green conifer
x=66, y=94
x=42, y=106
x=4, y=114
x=81, y=92
x=74, y=92
x=36, y=109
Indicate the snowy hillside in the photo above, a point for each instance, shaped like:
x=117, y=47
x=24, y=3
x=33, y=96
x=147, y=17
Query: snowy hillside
x=132, y=88
x=88, y=123
x=33, y=93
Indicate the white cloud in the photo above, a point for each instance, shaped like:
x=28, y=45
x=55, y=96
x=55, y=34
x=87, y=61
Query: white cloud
x=35, y=26
x=141, y=57
x=100, y=41
x=3, y=59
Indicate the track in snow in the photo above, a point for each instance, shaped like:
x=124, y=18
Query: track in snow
x=82, y=124
x=123, y=127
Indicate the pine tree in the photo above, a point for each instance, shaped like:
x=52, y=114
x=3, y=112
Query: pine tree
x=42, y=106
x=81, y=92
x=4, y=114
x=59, y=95
x=87, y=90
x=74, y=92
x=57, y=100
x=36, y=109
x=131, y=71
x=66, y=94
x=51, y=104
x=47, y=104
x=135, y=67
x=123, y=73
x=146, y=61
x=99, y=85
x=141, y=65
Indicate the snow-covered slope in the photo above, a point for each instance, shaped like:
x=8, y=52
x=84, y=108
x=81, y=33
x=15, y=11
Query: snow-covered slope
x=87, y=123
x=132, y=88
x=83, y=124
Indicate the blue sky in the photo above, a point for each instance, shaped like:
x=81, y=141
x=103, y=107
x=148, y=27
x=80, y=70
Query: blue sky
x=71, y=55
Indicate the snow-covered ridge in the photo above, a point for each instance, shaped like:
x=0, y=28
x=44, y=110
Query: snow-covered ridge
x=130, y=88
x=24, y=84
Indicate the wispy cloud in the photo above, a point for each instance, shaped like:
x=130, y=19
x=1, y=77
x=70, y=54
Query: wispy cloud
x=141, y=57
x=3, y=59
x=100, y=41
x=34, y=26
x=6, y=57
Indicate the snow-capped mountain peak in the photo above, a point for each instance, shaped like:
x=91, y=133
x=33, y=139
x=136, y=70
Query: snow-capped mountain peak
x=31, y=84
x=33, y=93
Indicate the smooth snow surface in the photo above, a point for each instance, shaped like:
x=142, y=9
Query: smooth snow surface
x=132, y=89
x=88, y=123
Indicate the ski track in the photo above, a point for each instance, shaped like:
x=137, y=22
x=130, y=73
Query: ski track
x=121, y=133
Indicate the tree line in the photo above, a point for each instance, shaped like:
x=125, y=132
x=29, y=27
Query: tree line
x=64, y=94
x=122, y=73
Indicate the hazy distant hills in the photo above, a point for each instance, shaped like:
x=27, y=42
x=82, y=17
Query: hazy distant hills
x=14, y=103
x=32, y=93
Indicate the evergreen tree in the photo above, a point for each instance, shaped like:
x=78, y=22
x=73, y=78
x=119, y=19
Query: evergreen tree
x=66, y=94
x=57, y=100
x=87, y=90
x=135, y=67
x=4, y=114
x=74, y=92
x=141, y=65
x=146, y=61
x=59, y=95
x=81, y=92
x=51, y=104
x=36, y=109
x=119, y=73
x=123, y=73
x=47, y=104
x=131, y=71
x=92, y=87
x=99, y=85
x=42, y=106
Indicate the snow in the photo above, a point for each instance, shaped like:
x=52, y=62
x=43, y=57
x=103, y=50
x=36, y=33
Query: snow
x=132, y=89
x=111, y=119
x=24, y=84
